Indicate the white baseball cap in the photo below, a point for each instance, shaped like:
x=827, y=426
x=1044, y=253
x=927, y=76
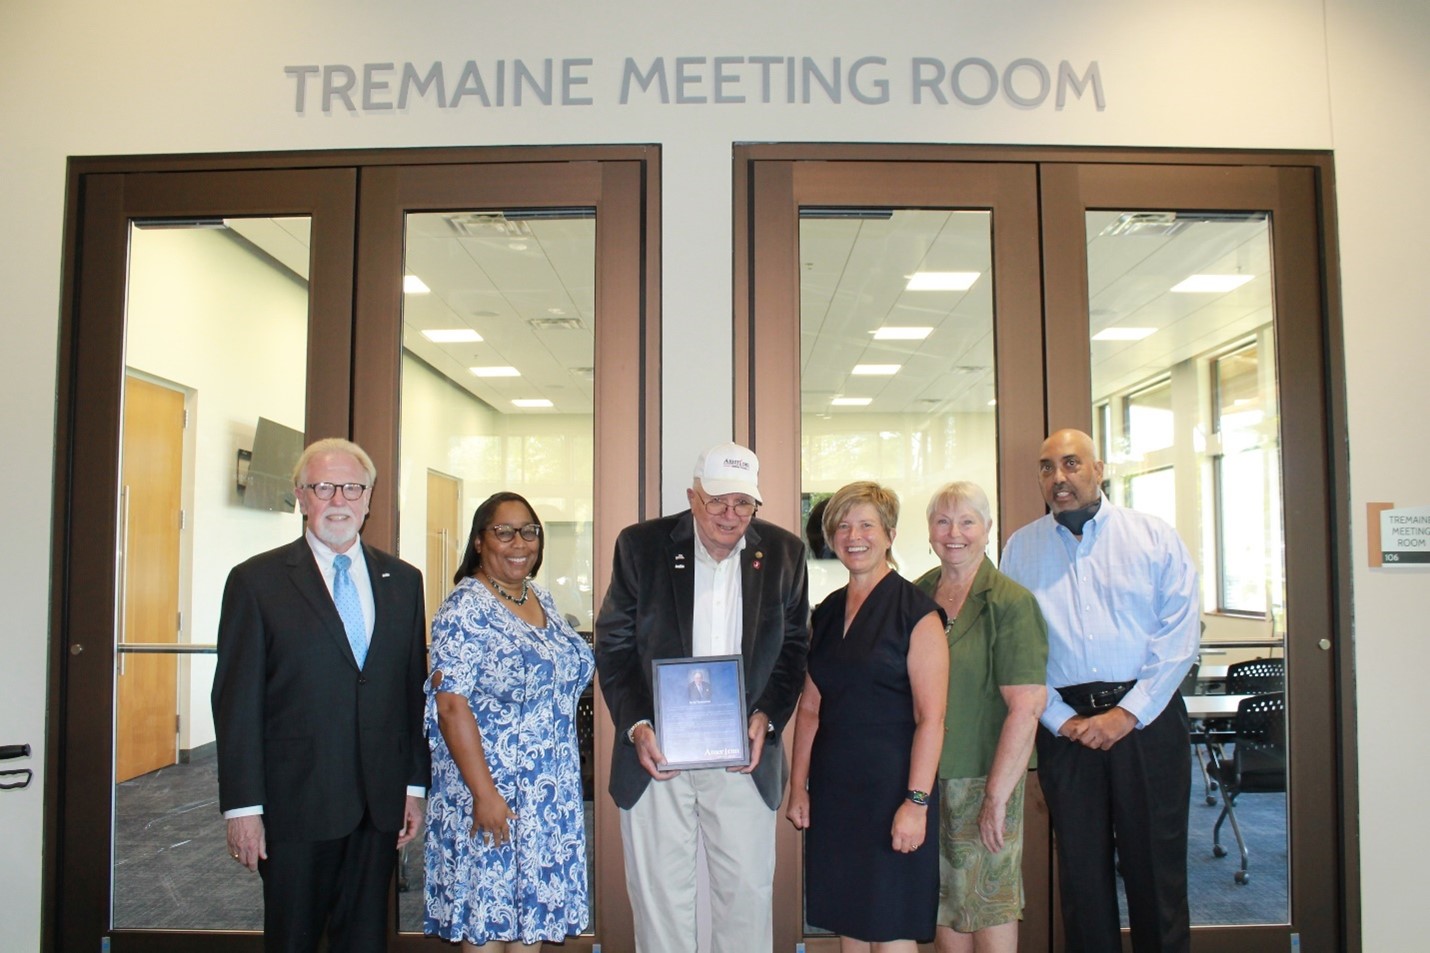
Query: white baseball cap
x=729, y=468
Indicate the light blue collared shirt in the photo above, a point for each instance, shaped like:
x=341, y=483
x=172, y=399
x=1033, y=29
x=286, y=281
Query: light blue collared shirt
x=1122, y=603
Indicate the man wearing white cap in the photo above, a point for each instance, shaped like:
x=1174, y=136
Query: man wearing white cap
x=712, y=580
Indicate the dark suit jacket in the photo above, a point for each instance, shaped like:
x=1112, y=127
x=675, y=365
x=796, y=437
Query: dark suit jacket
x=300, y=729
x=648, y=613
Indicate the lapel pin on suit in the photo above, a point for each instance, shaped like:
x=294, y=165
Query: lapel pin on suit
x=679, y=560
x=758, y=556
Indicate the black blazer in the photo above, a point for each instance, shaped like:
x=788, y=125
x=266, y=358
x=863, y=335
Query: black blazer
x=648, y=613
x=300, y=729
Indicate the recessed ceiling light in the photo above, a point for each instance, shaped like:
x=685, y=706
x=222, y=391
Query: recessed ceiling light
x=452, y=336
x=901, y=334
x=875, y=370
x=1123, y=334
x=412, y=285
x=502, y=371
x=941, y=280
x=850, y=402
x=531, y=403
x=1212, y=283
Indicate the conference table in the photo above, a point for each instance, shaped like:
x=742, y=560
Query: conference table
x=1213, y=706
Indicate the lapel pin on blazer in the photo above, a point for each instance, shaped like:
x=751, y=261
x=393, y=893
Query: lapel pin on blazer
x=679, y=560
x=758, y=556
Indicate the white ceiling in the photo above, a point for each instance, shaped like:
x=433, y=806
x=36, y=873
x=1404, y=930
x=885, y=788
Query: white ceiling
x=527, y=286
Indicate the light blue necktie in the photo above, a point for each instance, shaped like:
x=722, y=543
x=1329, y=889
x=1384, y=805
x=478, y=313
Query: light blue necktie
x=349, y=607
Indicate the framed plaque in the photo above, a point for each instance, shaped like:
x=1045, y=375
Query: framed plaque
x=700, y=711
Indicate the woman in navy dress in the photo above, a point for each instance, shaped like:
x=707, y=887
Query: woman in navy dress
x=506, y=840
x=868, y=734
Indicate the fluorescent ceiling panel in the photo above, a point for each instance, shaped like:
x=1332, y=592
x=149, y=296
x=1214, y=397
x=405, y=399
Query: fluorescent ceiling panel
x=452, y=336
x=1211, y=284
x=503, y=371
x=941, y=280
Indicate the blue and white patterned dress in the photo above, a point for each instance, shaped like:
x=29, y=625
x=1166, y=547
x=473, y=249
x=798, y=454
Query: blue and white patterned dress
x=523, y=684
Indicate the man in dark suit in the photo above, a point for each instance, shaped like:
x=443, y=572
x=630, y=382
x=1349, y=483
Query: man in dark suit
x=317, y=705
x=709, y=581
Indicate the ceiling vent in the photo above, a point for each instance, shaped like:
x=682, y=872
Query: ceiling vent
x=1167, y=224
x=487, y=225
x=555, y=324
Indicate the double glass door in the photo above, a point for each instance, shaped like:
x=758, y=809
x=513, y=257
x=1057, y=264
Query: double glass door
x=941, y=316
x=457, y=318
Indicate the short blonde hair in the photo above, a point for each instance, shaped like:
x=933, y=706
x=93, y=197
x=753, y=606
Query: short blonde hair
x=961, y=491
x=334, y=445
x=884, y=500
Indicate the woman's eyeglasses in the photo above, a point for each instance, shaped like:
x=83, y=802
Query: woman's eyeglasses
x=531, y=532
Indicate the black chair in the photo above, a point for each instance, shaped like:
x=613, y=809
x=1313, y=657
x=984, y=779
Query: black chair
x=1253, y=677
x=1257, y=764
x=1256, y=676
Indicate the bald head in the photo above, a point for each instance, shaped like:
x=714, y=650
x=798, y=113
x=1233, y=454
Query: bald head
x=1068, y=471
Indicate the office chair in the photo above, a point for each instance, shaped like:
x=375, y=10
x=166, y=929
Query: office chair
x=1252, y=677
x=1257, y=764
x=1256, y=676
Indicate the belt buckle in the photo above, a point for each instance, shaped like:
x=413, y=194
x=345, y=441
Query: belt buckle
x=1102, y=701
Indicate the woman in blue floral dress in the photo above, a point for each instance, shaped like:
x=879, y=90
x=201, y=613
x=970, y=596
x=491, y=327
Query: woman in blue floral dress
x=506, y=841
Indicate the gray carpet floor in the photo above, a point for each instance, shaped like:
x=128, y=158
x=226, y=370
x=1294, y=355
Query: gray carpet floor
x=172, y=869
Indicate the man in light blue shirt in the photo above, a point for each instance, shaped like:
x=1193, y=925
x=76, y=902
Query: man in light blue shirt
x=1120, y=594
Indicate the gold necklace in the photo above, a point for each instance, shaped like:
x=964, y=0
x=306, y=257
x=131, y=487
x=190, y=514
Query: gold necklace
x=516, y=600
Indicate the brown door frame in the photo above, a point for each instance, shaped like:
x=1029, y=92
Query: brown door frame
x=1321, y=795
x=770, y=185
x=104, y=201
x=621, y=189
x=767, y=392
x=106, y=194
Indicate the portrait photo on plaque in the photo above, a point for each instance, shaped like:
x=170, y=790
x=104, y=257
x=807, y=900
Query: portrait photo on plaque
x=700, y=717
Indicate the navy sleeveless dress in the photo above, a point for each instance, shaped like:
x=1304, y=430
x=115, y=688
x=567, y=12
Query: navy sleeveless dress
x=856, y=884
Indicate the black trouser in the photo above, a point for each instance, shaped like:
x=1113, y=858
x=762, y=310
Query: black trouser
x=1132, y=800
x=340, y=885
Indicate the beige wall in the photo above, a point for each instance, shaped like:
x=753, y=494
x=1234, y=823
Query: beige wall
x=89, y=78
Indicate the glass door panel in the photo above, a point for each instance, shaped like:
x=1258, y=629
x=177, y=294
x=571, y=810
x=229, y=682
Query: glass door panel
x=1182, y=329
x=491, y=296
x=498, y=381
x=187, y=382
x=213, y=416
x=1188, y=306
x=897, y=382
x=903, y=300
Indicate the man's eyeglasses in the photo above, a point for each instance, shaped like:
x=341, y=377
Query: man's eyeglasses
x=717, y=505
x=531, y=532
x=326, y=491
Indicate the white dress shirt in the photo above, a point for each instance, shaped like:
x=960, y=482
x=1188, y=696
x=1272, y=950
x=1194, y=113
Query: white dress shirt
x=719, y=602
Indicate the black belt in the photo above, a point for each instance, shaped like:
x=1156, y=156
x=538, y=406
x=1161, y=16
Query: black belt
x=1093, y=697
